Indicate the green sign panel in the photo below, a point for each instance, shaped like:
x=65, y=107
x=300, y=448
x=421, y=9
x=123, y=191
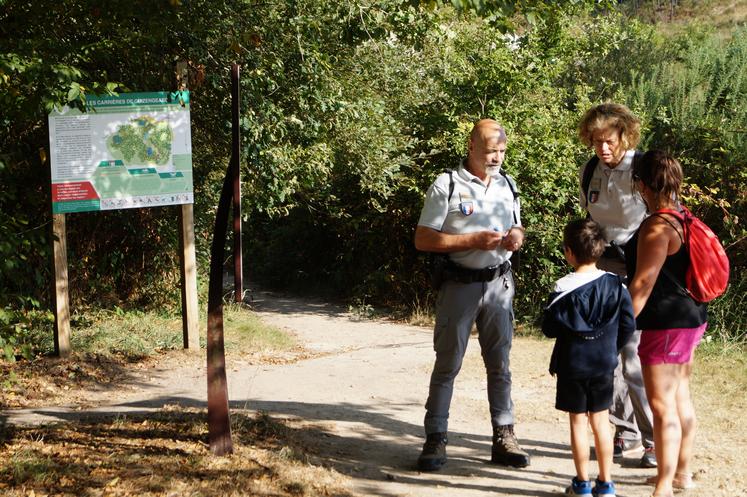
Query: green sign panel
x=129, y=150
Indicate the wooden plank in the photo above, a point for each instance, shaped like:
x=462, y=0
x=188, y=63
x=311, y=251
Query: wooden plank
x=61, y=288
x=188, y=259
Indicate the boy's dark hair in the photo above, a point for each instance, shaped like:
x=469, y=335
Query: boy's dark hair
x=585, y=238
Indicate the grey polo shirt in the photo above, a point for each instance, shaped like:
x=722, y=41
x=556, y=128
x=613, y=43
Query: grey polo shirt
x=612, y=202
x=474, y=206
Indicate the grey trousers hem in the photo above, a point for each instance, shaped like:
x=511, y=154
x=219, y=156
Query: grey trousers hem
x=630, y=411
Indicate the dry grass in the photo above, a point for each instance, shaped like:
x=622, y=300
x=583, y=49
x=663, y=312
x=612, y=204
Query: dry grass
x=718, y=386
x=160, y=455
x=163, y=454
x=111, y=347
x=51, y=380
x=722, y=15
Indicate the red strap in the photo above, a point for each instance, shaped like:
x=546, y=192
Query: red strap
x=678, y=214
x=681, y=218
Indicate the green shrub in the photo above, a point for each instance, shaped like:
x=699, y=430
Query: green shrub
x=348, y=113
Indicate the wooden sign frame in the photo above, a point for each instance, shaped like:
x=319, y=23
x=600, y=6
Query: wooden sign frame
x=188, y=263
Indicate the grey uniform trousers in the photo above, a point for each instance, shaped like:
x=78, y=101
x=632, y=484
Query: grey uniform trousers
x=630, y=412
x=489, y=306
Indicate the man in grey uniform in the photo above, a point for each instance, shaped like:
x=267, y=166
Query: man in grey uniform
x=472, y=215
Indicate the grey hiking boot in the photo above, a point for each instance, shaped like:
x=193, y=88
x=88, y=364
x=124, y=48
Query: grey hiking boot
x=622, y=447
x=434, y=452
x=506, y=450
x=649, y=458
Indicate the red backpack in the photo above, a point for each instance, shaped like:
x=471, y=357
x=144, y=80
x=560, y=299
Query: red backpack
x=708, y=273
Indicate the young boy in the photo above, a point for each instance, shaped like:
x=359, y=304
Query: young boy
x=591, y=316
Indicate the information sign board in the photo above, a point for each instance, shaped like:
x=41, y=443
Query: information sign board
x=129, y=150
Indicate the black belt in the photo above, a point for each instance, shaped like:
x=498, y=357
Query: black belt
x=462, y=274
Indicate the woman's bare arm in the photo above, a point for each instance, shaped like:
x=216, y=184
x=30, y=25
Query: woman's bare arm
x=656, y=240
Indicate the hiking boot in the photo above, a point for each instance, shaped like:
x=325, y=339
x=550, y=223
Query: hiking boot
x=622, y=447
x=649, y=458
x=506, y=448
x=434, y=452
x=606, y=488
x=578, y=487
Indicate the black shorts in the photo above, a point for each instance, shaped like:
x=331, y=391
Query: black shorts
x=584, y=395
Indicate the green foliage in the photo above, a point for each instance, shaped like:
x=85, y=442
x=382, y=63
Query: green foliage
x=349, y=110
x=727, y=315
x=20, y=331
x=696, y=108
x=127, y=333
x=502, y=13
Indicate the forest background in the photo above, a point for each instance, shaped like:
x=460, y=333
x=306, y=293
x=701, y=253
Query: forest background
x=349, y=111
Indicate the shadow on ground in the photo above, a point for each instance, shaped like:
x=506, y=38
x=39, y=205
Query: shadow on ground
x=383, y=450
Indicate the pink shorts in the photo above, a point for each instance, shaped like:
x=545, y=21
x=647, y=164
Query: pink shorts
x=672, y=346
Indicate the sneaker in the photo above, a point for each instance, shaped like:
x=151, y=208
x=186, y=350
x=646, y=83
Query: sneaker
x=578, y=487
x=434, y=452
x=622, y=447
x=606, y=488
x=649, y=458
x=506, y=450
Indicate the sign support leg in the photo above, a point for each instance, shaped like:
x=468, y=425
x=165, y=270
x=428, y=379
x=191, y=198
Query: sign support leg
x=61, y=288
x=188, y=259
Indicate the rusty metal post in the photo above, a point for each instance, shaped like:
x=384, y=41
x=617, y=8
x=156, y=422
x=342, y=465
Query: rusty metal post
x=236, y=161
x=219, y=426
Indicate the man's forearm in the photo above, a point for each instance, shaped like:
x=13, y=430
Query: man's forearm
x=430, y=240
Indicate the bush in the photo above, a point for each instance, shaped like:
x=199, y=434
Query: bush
x=349, y=111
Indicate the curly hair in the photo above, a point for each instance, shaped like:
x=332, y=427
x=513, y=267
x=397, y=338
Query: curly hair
x=610, y=116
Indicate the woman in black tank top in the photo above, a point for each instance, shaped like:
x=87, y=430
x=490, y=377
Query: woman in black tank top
x=672, y=322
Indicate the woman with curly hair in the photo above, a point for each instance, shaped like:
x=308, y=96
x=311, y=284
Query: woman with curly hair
x=607, y=195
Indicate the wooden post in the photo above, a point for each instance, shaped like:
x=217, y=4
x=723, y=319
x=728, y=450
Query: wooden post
x=238, y=270
x=61, y=288
x=188, y=259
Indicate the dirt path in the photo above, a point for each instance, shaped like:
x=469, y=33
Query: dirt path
x=359, y=401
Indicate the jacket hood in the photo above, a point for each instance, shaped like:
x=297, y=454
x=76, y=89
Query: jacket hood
x=587, y=303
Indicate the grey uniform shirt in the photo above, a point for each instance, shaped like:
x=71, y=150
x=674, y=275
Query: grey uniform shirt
x=474, y=206
x=612, y=202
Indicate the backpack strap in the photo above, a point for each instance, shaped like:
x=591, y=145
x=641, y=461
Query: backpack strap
x=437, y=260
x=586, y=177
x=681, y=218
x=514, y=192
x=450, y=172
x=589, y=173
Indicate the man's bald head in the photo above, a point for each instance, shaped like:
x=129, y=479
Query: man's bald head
x=487, y=148
x=487, y=128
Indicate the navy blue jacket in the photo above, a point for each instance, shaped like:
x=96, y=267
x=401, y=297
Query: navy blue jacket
x=591, y=323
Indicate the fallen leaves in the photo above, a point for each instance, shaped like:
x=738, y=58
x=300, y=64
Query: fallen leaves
x=160, y=455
